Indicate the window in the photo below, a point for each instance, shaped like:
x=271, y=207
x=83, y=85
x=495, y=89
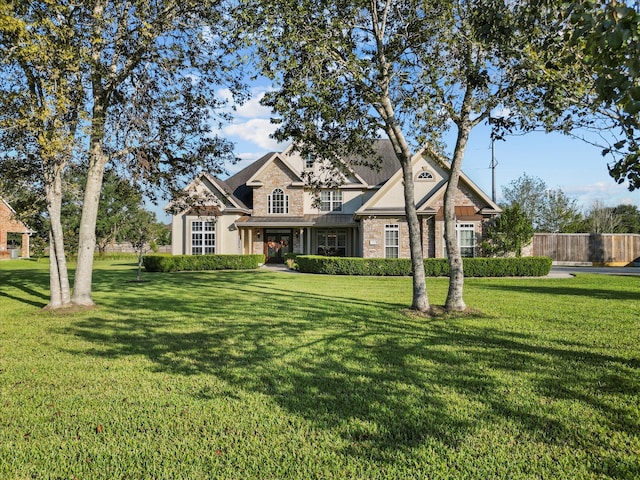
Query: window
x=466, y=234
x=331, y=201
x=424, y=175
x=308, y=163
x=203, y=237
x=392, y=241
x=332, y=243
x=278, y=201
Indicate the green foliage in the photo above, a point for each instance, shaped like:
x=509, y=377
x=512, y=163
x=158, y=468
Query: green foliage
x=629, y=216
x=38, y=246
x=353, y=265
x=507, y=267
x=529, y=193
x=607, y=35
x=508, y=232
x=548, y=210
x=560, y=213
x=178, y=263
x=434, y=267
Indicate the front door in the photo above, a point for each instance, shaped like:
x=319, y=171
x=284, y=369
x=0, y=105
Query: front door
x=276, y=244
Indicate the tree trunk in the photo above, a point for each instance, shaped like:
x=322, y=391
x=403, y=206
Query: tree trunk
x=139, y=277
x=455, y=301
x=87, y=237
x=58, y=275
x=420, y=299
x=97, y=160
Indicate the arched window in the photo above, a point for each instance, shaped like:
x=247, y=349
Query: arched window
x=278, y=201
x=424, y=175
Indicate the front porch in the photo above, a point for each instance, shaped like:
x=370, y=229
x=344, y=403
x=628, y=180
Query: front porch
x=335, y=235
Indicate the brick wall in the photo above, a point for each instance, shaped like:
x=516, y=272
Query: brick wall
x=8, y=224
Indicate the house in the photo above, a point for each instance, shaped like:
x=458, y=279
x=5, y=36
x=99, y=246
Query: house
x=10, y=224
x=269, y=208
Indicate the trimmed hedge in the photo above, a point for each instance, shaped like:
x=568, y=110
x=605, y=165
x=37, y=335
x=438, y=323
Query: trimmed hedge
x=178, y=263
x=434, y=267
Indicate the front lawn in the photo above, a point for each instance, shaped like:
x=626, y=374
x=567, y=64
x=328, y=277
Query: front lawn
x=260, y=375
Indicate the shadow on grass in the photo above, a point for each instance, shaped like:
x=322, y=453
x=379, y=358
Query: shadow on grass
x=23, y=286
x=632, y=293
x=383, y=380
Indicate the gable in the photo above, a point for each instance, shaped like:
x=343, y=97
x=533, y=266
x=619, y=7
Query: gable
x=430, y=181
x=262, y=175
x=217, y=192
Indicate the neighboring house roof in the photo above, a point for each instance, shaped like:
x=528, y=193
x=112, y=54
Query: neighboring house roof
x=24, y=227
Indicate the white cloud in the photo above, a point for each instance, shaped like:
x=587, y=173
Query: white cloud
x=607, y=192
x=256, y=131
x=251, y=108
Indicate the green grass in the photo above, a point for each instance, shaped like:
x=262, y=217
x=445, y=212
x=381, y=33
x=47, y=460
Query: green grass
x=241, y=375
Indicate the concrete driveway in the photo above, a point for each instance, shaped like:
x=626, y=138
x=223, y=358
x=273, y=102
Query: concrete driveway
x=568, y=270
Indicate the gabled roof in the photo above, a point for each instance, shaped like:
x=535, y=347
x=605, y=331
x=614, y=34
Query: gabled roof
x=27, y=229
x=254, y=180
x=389, y=164
x=220, y=189
x=424, y=204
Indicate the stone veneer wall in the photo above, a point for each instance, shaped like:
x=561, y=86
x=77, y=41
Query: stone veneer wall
x=373, y=236
x=276, y=175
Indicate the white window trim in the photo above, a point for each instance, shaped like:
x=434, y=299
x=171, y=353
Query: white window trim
x=334, y=201
x=285, y=202
x=392, y=227
x=206, y=234
x=462, y=226
x=420, y=178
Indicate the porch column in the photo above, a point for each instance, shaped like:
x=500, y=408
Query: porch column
x=309, y=241
x=25, y=245
x=302, y=239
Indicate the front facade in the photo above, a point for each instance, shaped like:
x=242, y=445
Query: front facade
x=9, y=224
x=269, y=208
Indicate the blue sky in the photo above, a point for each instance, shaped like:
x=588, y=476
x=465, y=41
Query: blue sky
x=560, y=161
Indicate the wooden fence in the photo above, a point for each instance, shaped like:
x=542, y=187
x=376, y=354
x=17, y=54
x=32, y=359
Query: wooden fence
x=617, y=249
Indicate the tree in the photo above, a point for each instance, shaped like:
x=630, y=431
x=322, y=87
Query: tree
x=153, y=69
x=345, y=71
x=118, y=199
x=139, y=77
x=601, y=219
x=548, y=210
x=141, y=230
x=629, y=216
x=529, y=193
x=508, y=233
x=559, y=213
x=40, y=97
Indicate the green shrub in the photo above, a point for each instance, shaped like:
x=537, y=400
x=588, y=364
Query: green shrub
x=434, y=267
x=353, y=265
x=507, y=267
x=176, y=263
